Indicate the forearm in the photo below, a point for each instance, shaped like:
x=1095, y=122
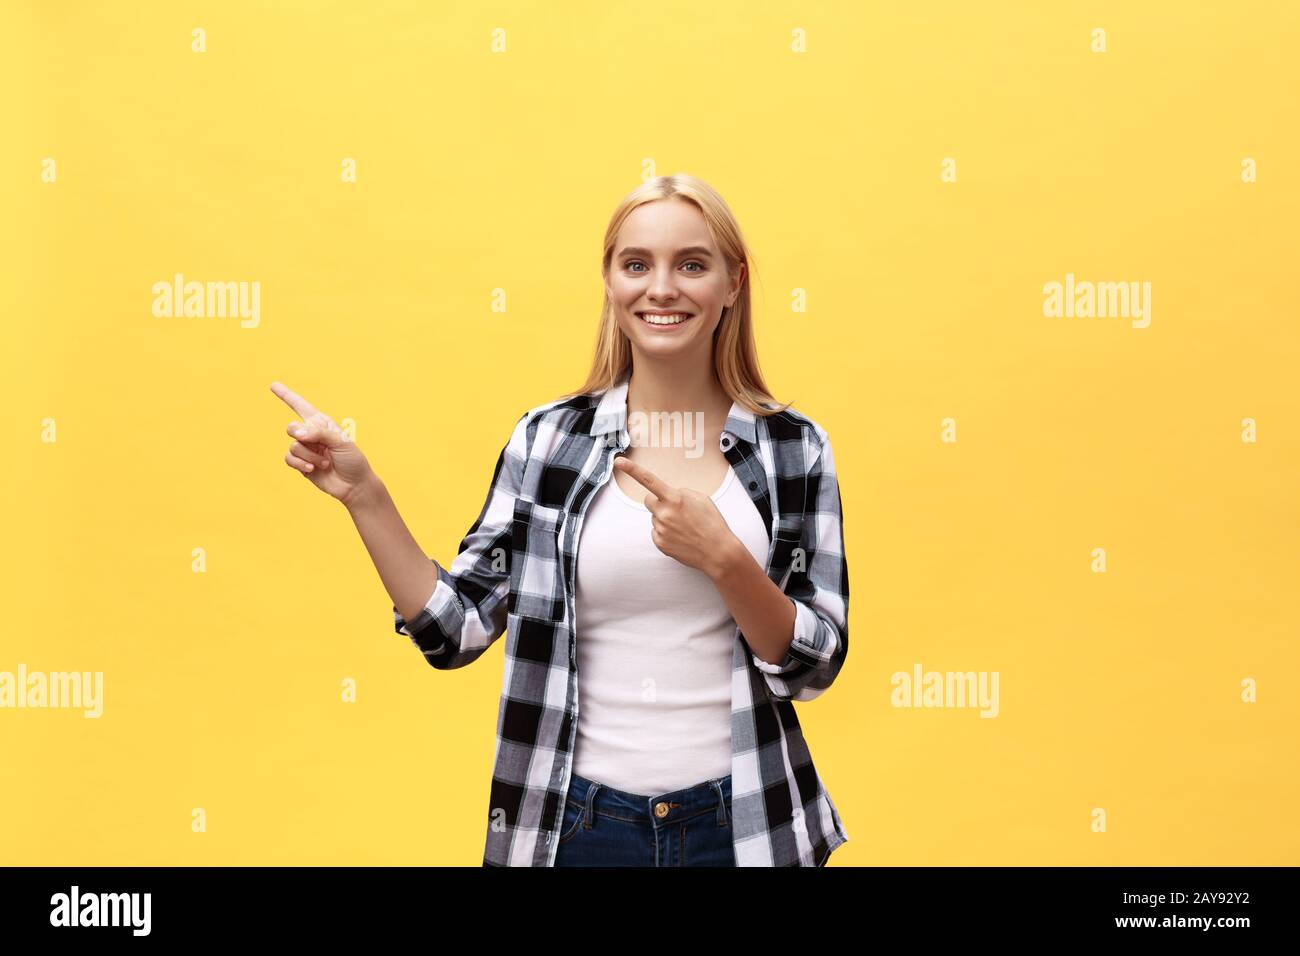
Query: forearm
x=408, y=574
x=766, y=616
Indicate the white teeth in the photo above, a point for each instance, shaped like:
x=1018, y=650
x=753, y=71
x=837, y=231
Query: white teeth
x=674, y=319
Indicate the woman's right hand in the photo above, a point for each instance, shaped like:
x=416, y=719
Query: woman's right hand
x=321, y=451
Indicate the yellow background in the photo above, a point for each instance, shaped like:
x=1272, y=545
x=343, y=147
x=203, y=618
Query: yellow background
x=480, y=171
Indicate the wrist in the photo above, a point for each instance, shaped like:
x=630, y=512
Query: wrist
x=728, y=559
x=365, y=494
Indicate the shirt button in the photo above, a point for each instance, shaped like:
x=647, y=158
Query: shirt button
x=753, y=485
x=661, y=809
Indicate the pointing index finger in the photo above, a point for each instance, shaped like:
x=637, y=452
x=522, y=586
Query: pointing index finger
x=645, y=477
x=304, y=408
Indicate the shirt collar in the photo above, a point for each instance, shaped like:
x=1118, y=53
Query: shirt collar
x=611, y=415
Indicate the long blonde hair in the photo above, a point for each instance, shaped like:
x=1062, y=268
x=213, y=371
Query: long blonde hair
x=735, y=357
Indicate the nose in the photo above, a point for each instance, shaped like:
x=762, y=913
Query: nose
x=662, y=289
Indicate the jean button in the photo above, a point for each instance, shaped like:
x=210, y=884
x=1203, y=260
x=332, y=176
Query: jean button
x=661, y=809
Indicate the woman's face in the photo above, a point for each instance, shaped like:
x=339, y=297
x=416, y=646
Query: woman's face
x=664, y=261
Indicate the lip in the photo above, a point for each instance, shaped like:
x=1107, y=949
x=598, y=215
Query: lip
x=664, y=328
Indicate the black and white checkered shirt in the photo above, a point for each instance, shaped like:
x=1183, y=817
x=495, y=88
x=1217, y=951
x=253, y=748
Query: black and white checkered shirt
x=514, y=574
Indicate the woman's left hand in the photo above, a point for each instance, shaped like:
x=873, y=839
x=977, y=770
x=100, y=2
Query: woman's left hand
x=685, y=524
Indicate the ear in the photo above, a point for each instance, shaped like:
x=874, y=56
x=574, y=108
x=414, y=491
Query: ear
x=604, y=280
x=737, y=282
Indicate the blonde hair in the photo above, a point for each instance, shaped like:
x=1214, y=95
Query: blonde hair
x=735, y=356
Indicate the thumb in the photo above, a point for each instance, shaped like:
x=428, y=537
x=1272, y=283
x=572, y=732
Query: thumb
x=322, y=432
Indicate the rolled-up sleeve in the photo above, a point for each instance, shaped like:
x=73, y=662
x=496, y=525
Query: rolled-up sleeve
x=818, y=586
x=467, y=610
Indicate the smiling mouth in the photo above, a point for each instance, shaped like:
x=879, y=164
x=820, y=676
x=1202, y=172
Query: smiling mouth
x=669, y=321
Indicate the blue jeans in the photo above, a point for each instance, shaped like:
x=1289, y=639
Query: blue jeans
x=607, y=827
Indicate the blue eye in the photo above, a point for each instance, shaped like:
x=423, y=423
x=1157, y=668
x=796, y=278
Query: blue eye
x=637, y=262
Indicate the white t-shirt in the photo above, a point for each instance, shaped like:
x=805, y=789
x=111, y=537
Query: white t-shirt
x=655, y=642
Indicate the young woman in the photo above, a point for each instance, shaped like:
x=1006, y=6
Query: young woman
x=663, y=550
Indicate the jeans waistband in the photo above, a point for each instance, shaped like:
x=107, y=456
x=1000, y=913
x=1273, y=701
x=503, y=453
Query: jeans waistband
x=660, y=809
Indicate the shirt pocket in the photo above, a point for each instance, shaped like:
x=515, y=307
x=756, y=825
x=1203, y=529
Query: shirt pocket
x=785, y=554
x=536, y=585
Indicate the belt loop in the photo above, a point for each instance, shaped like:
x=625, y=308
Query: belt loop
x=722, y=804
x=589, y=812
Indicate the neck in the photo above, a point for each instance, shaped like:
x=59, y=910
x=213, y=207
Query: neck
x=677, y=386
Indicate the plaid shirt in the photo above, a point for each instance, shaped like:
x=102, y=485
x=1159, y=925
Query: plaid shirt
x=514, y=574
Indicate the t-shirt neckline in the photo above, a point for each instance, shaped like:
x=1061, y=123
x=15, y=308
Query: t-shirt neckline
x=722, y=489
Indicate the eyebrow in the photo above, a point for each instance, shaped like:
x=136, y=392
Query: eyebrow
x=637, y=250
